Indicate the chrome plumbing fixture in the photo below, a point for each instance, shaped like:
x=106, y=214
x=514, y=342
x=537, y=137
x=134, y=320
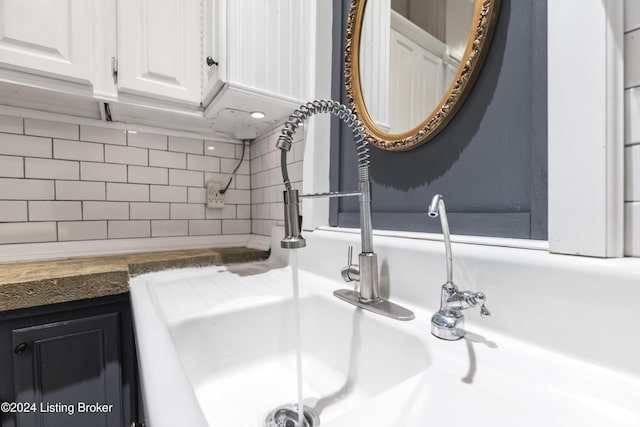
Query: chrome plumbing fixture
x=287, y=416
x=448, y=322
x=366, y=272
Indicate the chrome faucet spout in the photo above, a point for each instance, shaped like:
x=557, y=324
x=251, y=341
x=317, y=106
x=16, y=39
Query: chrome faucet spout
x=366, y=272
x=448, y=322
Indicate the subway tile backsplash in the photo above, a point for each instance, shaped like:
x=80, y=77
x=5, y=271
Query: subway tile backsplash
x=70, y=182
x=265, y=186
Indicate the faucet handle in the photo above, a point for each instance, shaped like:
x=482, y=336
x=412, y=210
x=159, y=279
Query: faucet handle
x=350, y=272
x=480, y=297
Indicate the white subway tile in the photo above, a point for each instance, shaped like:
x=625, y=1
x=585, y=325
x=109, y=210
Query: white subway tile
x=257, y=196
x=77, y=150
x=27, y=232
x=632, y=229
x=149, y=210
x=632, y=173
x=126, y=155
x=220, y=149
x=197, y=195
x=227, y=212
x=263, y=179
x=247, y=151
x=632, y=59
x=147, y=140
x=103, y=172
x=298, y=151
x=21, y=145
x=222, y=178
x=129, y=229
x=105, y=210
x=168, y=194
x=187, y=211
x=11, y=167
x=204, y=227
x=105, y=135
x=78, y=190
x=50, y=129
x=236, y=226
x=186, y=145
x=295, y=172
x=167, y=159
x=631, y=15
x=276, y=211
x=11, y=124
x=271, y=194
x=128, y=192
x=632, y=115
x=54, y=211
x=267, y=226
x=161, y=228
x=228, y=165
x=13, y=211
x=82, y=230
x=238, y=197
x=275, y=176
x=264, y=211
x=271, y=160
x=186, y=178
x=147, y=175
x=51, y=169
x=203, y=163
x=26, y=189
x=243, y=211
x=256, y=227
x=256, y=165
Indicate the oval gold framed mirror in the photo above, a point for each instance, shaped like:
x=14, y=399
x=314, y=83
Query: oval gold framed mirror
x=406, y=76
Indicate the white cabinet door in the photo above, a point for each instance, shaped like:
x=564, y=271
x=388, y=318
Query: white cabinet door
x=159, y=49
x=47, y=37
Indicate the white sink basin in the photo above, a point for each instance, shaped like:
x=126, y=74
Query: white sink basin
x=227, y=350
x=243, y=361
x=216, y=345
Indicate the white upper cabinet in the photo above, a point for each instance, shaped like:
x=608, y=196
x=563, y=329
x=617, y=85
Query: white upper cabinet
x=197, y=65
x=47, y=38
x=262, y=53
x=160, y=49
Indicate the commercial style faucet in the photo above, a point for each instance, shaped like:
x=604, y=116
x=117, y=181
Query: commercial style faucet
x=366, y=272
x=448, y=322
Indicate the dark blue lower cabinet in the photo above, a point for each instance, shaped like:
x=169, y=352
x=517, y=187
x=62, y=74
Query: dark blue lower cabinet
x=72, y=368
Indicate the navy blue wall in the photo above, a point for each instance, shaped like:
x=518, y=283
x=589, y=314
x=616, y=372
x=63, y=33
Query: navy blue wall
x=490, y=162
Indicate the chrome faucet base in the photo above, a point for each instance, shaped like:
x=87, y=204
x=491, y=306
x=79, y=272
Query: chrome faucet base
x=447, y=326
x=380, y=306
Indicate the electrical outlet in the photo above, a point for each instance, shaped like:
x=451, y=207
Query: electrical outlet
x=215, y=200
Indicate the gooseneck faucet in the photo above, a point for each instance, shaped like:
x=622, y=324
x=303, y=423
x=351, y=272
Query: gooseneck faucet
x=448, y=322
x=366, y=272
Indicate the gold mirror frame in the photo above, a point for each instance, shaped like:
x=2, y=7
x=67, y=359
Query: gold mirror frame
x=484, y=19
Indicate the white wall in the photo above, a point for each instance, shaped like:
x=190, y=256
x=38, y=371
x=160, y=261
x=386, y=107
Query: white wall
x=632, y=127
x=62, y=182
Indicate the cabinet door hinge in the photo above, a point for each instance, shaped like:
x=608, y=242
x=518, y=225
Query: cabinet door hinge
x=114, y=69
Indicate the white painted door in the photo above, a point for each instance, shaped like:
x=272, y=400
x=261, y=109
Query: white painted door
x=48, y=37
x=159, y=49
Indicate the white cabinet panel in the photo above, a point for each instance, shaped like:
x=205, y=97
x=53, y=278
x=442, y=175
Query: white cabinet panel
x=159, y=49
x=47, y=37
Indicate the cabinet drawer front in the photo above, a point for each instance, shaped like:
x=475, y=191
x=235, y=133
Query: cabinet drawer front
x=64, y=368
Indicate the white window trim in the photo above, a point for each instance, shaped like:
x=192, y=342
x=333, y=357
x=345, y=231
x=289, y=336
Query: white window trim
x=586, y=134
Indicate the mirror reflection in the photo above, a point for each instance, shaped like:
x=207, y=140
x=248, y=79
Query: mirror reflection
x=410, y=51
